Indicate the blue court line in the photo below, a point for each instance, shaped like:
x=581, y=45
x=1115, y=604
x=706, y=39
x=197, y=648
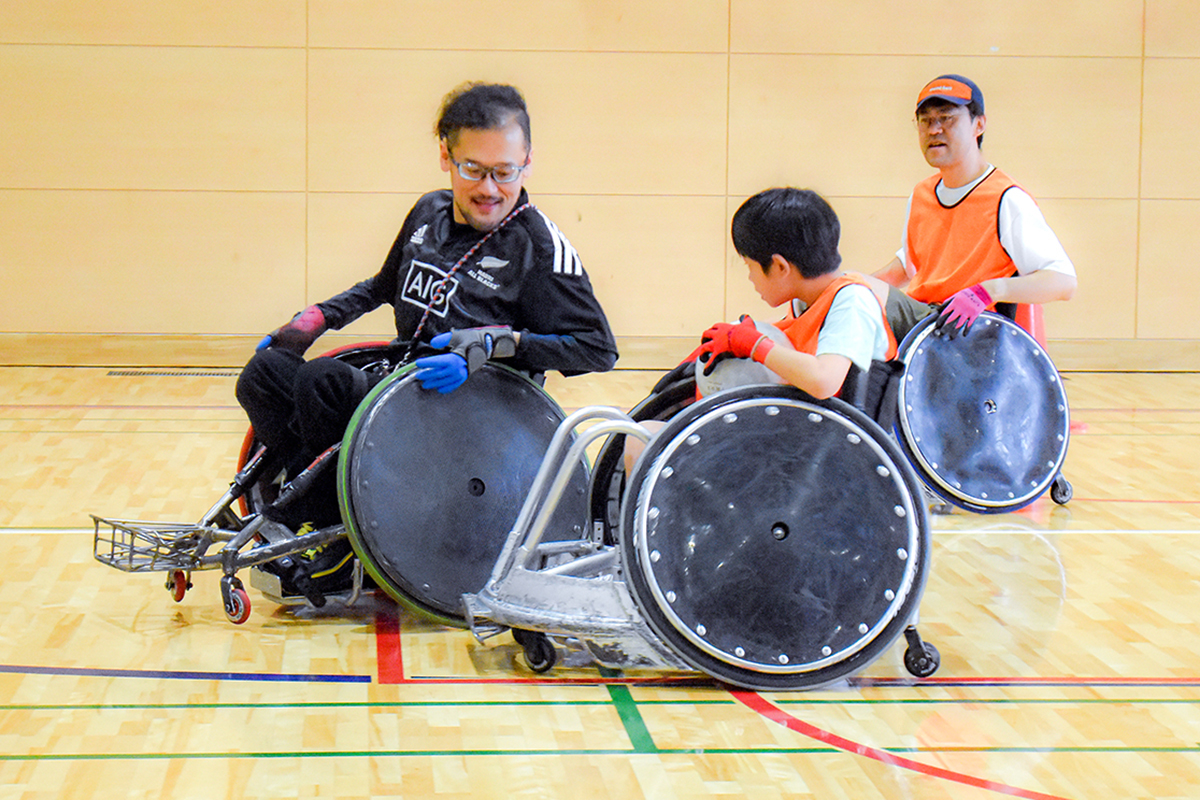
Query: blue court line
x=183, y=675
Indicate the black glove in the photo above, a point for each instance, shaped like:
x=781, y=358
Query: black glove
x=477, y=345
x=684, y=371
x=299, y=334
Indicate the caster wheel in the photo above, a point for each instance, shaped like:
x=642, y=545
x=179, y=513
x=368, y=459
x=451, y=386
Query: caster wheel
x=924, y=662
x=178, y=584
x=1061, y=491
x=540, y=654
x=237, y=606
x=522, y=637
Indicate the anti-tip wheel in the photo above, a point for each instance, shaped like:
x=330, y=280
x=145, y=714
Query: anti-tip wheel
x=540, y=654
x=237, y=606
x=178, y=584
x=1061, y=491
x=923, y=662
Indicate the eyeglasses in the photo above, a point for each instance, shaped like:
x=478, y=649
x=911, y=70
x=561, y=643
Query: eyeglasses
x=505, y=173
x=944, y=121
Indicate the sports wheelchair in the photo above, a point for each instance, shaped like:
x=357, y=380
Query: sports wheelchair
x=418, y=473
x=748, y=551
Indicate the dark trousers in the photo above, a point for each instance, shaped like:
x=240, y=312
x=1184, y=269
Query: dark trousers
x=298, y=409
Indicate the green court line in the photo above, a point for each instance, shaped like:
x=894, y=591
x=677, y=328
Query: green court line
x=586, y=752
x=631, y=718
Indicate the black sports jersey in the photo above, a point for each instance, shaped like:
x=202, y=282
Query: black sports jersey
x=526, y=275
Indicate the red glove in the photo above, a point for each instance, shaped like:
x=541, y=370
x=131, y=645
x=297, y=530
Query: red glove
x=723, y=340
x=962, y=309
x=299, y=334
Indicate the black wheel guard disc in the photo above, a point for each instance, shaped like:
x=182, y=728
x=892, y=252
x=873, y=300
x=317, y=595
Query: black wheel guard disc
x=983, y=417
x=431, y=484
x=775, y=542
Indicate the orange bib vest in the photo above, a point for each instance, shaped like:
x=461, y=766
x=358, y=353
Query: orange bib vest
x=804, y=330
x=957, y=247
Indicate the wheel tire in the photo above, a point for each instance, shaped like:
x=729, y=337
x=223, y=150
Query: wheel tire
x=237, y=609
x=1061, y=491
x=540, y=654
x=922, y=663
x=522, y=637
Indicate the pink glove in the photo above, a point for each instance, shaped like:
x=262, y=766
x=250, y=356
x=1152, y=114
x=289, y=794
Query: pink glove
x=962, y=309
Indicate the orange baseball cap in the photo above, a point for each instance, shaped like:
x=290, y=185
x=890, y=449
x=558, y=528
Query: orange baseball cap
x=953, y=89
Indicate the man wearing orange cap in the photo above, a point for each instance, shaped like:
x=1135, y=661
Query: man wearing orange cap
x=973, y=238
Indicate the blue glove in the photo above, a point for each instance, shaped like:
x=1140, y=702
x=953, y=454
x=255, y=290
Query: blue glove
x=443, y=373
x=470, y=348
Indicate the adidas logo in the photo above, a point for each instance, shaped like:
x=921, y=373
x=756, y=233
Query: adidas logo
x=418, y=236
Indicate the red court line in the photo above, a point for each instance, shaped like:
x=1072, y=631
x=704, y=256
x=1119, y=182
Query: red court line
x=388, y=654
x=756, y=703
x=389, y=658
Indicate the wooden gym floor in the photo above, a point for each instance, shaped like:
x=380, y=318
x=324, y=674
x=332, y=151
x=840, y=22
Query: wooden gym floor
x=1069, y=639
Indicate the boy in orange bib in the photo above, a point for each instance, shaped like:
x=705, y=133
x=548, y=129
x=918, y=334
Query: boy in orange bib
x=789, y=241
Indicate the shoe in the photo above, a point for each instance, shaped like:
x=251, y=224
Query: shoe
x=329, y=568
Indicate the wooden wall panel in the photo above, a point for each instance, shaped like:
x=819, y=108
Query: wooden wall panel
x=212, y=23
x=150, y=262
x=1082, y=145
x=349, y=237
x=1170, y=168
x=152, y=118
x=1172, y=28
x=585, y=25
x=974, y=27
x=1100, y=236
x=835, y=124
x=1168, y=282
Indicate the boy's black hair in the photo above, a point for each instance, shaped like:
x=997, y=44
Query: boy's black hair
x=481, y=106
x=794, y=223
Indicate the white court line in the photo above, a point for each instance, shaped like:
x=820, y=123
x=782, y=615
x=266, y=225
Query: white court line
x=48, y=531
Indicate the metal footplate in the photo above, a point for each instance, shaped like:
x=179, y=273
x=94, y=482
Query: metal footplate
x=139, y=546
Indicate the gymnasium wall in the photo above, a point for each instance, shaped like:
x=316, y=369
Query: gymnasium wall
x=178, y=178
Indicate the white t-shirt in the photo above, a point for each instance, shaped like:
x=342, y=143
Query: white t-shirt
x=854, y=327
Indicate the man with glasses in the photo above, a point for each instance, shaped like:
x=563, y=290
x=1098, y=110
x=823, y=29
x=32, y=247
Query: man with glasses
x=973, y=237
x=476, y=271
